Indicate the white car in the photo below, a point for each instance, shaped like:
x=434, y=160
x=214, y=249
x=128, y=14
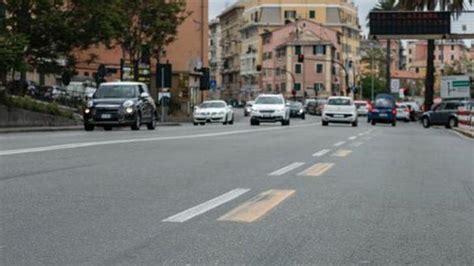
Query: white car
x=362, y=107
x=213, y=112
x=403, y=113
x=270, y=108
x=339, y=110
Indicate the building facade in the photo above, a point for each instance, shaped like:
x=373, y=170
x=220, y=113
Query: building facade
x=317, y=75
x=215, y=57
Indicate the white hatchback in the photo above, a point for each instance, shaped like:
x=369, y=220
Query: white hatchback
x=339, y=109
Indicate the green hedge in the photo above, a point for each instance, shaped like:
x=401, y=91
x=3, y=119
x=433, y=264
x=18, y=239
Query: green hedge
x=29, y=104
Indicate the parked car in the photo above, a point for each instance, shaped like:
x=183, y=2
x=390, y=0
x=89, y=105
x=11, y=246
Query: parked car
x=213, y=112
x=403, y=112
x=339, y=109
x=307, y=102
x=270, y=108
x=383, y=110
x=415, y=111
x=297, y=110
x=444, y=114
x=49, y=93
x=311, y=108
x=116, y=104
x=248, y=108
x=362, y=108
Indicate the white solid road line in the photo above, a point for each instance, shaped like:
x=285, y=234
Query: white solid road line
x=352, y=138
x=110, y=142
x=206, y=206
x=321, y=153
x=339, y=143
x=286, y=169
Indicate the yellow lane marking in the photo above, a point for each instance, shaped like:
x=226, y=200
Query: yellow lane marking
x=257, y=206
x=341, y=153
x=317, y=169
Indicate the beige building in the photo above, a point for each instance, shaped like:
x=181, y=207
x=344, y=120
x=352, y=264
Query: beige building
x=215, y=57
x=262, y=16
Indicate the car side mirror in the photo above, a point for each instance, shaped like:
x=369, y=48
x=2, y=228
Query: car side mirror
x=144, y=95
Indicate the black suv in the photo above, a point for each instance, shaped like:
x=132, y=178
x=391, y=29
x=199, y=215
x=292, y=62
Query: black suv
x=117, y=104
x=444, y=114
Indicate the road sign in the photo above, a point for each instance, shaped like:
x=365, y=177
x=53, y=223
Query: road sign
x=395, y=85
x=163, y=94
x=213, y=85
x=455, y=87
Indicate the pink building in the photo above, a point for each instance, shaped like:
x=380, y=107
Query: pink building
x=317, y=76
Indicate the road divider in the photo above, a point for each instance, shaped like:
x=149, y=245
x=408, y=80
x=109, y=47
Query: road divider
x=321, y=153
x=317, y=169
x=257, y=207
x=206, y=206
x=286, y=169
x=341, y=153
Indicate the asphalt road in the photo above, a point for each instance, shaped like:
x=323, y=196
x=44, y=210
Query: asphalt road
x=267, y=195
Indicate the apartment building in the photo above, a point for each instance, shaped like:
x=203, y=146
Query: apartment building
x=215, y=57
x=262, y=16
x=317, y=75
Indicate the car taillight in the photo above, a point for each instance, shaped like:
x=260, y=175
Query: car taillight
x=394, y=111
x=369, y=108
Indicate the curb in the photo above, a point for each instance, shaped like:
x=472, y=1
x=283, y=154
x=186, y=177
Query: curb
x=38, y=129
x=466, y=133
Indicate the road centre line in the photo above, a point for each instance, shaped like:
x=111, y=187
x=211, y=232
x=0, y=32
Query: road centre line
x=206, y=206
x=126, y=141
x=339, y=143
x=257, y=207
x=321, y=153
x=317, y=169
x=286, y=169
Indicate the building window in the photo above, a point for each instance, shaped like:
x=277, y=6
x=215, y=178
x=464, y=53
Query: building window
x=319, y=49
x=318, y=87
x=417, y=70
x=409, y=60
x=441, y=57
x=86, y=74
x=283, y=87
x=319, y=68
x=452, y=57
x=297, y=86
x=333, y=70
x=297, y=49
x=269, y=87
x=290, y=14
x=452, y=47
x=409, y=51
x=298, y=68
x=312, y=14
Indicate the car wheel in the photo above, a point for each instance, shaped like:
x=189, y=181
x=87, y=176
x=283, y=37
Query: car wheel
x=231, y=122
x=202, y=123
x=138, y=122
x=303, y=117
x=452, y=122
x=354, y=124
x=426, y=122
x=394, y=123
x=194, y=123
x=373, y=123
x=152, y=124
x=107, y=128
x=325, y=123
x=88, y=127
x=225, y=122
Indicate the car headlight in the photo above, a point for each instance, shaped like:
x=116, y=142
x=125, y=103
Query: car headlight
x=129, y=110
x=221, y=112
x=281, y=110
x=127, y=103
x=87, y=110
x=90, y=104
x=301, y=111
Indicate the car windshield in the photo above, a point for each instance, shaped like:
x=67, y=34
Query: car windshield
x=360, y=105
x=296, y=104
x=269, y=100
x=339, y=101
x=384, y=102
x=212, y=105
x=116, y=91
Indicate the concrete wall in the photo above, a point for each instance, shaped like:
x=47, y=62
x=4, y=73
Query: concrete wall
x=13, y=117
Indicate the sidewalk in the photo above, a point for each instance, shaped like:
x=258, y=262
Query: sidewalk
x=465, y=132
x=65, y=128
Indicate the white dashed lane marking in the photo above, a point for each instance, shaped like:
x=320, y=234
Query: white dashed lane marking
x=339, y=143
x=321, y=153
x=352, y=138
x=286, y=169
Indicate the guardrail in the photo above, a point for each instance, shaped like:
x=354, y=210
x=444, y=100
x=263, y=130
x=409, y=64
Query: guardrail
x=466, y=118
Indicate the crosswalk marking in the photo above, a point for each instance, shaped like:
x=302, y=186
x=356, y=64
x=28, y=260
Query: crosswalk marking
x=317, y=169
x=206, y=206
x=339, y=143
x=321, y=153
x=286, y=169
x=341, y=153
x=257, y=207
x=352, y=138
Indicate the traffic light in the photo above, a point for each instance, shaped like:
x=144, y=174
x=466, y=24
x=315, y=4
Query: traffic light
x=301, y=58
x=205, y=79
x=350, y=64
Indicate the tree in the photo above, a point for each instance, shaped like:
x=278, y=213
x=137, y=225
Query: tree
x=386, y=5
x=150, y=26
x=366, y=82
x=53, y=29
x=11, y=54
x=375, y=58
x=456, y=7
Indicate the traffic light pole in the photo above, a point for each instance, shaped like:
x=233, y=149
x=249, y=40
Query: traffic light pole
x=162, y=93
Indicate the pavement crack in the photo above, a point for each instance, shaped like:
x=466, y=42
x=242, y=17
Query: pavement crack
x=4, y=178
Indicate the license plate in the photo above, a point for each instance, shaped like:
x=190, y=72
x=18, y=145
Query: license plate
x=339, y=116
x=383, y=115
x=267, y=115
x=106, y=116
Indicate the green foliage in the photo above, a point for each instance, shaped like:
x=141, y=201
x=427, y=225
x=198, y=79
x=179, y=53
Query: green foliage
x=379, y=85
x=11, y=52
x=375, y=58
x=32, y=105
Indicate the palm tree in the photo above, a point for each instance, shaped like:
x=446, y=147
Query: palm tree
x=386, y=5
x=455, y=6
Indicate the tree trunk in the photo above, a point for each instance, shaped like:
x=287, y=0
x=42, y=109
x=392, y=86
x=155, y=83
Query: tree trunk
x=388, y=62
x=429, y=83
